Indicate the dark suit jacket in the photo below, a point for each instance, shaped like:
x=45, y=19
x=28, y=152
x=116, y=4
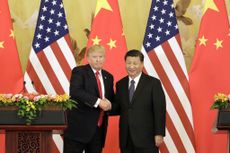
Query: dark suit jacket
x=145, y=116
x=82, y=121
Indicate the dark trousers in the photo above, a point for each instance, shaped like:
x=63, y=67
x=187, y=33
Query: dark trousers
x=94, y=146
x=131, y=148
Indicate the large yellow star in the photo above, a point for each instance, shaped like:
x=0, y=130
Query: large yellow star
x=210, y=4
x=203, y=41
x=218, y=43
x=102, y=4
x=96, y=41
x=1, y=44
x=111, y=43
x=11, y=33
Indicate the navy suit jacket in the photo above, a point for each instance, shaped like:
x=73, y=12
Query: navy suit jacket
x=82, y=121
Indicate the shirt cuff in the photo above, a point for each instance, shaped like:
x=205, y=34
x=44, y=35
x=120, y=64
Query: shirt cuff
x=97, y=103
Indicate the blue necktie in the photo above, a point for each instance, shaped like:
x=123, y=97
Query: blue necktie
x=131, y=90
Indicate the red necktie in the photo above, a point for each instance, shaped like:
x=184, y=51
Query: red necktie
x=100, y=120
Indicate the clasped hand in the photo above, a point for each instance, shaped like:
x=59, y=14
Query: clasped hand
x=105, y=104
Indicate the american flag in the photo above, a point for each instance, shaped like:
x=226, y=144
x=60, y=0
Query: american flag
x=51, y=58
x=164, y=60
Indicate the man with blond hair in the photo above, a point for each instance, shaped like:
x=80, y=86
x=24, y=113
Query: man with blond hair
x=92, y=88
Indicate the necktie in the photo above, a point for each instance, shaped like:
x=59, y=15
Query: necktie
x=131, y=90
x=100, y=120
x=98, y=84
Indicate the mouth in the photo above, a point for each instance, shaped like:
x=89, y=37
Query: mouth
x=131, y=71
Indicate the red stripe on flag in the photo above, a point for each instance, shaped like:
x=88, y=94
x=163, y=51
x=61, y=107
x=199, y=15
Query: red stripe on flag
x=50, y=73
x=172, y=94
x=53, y=147
x=163, y=148
x=61, y=59
x=174, y=134
x=176, y=67
x=179, y=41
x=68, y=41
x=34, y=78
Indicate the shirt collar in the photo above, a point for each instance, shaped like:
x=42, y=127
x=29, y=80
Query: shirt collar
x=135, y=79
x=94, y=71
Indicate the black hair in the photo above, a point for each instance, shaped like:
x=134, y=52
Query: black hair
x=135, y=53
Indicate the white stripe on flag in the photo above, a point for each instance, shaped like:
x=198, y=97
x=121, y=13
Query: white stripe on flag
x=57, y=69
x=28, y=84
x=174, y=81
x=58, y=142
x=148, y=64
x=178, y=125
x=66, y=52
x=41, y=73
x=178, y=53
x=169, y=142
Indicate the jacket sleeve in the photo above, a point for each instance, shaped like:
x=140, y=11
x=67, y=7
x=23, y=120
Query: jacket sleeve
x=116, y=103
x=78, y=91
x=159, y=105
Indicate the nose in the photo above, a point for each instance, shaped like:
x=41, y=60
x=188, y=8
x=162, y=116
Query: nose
x=98, y=59
x=131, y=66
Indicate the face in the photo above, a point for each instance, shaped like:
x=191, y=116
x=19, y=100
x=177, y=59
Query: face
x=96, y=59
x=134, y=66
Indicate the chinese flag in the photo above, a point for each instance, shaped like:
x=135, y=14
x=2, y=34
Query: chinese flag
x=209, y=75
x=107, y=30
x=11, y=80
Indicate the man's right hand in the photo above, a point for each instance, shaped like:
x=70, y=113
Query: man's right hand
x=105, y=104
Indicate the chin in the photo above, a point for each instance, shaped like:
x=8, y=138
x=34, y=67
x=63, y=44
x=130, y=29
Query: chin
x=131, y=75
x=98, y=68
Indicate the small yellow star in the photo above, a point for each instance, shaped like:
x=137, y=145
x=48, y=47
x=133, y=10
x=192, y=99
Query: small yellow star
x=203, y=41
x=112, y=43
x=1, y=44
x=218, y=43
x=11, y=33
x=96, y=41
x=102, y=4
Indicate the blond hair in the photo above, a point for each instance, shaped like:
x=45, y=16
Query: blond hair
x=94, y=48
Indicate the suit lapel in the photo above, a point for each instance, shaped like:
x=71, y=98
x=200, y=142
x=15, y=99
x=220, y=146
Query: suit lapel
x=92, y=79
x=125, y=89
x=105, y=81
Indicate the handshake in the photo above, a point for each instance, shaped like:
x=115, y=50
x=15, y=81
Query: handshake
x=105, y=104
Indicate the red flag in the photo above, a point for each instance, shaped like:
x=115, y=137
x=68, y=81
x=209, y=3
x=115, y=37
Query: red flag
x=11, y=79
x=107, y=31
x=164, y=60
x=209, y=75
x=51, y=58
